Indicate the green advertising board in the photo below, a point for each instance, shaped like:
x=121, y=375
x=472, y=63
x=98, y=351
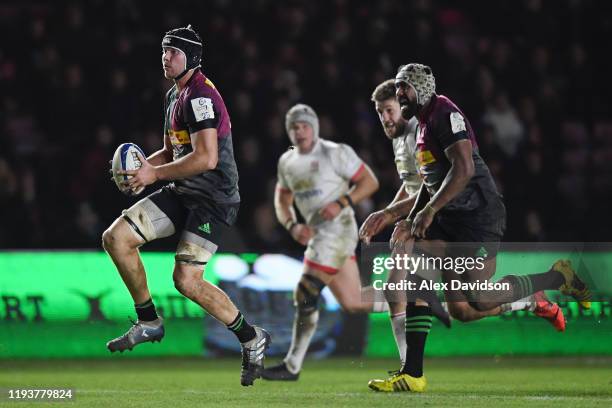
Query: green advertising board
x=521, y=332
x=68, y=304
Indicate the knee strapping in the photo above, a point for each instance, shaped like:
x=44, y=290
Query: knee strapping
x=308, y=293
x=135, y=227
x=192, y=254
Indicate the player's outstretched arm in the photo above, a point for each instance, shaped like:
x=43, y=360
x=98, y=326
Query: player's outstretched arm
x=379, y=220
x=401, y=208
x=400, y=195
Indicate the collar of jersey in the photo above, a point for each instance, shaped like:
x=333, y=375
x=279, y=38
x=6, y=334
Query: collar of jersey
x=195, y=72
x=423, y=116
x=317, y=144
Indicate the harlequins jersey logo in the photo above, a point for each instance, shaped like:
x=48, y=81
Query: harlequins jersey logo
x=205, y=228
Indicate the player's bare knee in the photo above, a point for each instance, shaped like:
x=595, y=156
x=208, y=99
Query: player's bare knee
x=180, y=283
x=190, y=260
x=107, y=240
x=460, y=311
x=111, y=239
x=119, y=237
x=184, y=282
x=352, y=306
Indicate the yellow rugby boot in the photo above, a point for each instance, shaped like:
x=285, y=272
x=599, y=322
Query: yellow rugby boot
x=573, y=286
x=399, y=382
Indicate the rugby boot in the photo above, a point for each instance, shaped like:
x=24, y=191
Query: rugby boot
x=279, y=372
x=399, y=382
x=253, y=356
x=140, y=332
x=548, y=310
x=573, y=285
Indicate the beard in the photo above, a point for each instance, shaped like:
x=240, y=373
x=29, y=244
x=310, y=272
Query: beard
x=396, y=130
x=409, y=109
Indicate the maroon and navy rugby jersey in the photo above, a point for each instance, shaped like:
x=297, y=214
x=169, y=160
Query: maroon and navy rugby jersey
x=200, y=106
x=442, y=124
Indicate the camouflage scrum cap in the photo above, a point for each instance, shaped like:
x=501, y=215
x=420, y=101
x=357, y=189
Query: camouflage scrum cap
x=420, y=77
x=302, y=113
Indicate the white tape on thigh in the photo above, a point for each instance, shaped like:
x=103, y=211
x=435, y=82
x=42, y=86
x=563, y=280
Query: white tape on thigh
x=190, y=252
x=150, y=220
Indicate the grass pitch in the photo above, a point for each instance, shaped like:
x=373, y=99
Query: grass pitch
x=176, y=383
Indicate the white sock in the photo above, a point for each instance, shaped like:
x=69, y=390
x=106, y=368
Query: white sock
x=304, y=327
x=526, y=303
x=398, y=322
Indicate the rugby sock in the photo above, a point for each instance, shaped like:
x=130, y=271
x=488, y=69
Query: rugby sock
x=146, y=311
x=527, y=303
x=398, y=323
x=418, y=325
x=547, y=280
x=523, y=286
x=242, y=329
x=304, y=327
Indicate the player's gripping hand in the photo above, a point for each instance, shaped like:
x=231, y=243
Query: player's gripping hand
x=330, y=211
x=142, y=177
x=422, y=221
x=301, y=233
x=374, y=224
x=402, y=235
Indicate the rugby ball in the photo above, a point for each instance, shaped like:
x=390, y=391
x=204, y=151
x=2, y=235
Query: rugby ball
x=126, y=158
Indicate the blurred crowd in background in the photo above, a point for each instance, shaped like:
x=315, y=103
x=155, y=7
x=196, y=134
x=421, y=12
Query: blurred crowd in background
x=78, y=79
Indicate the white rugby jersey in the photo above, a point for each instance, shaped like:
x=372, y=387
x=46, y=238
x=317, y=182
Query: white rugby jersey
x=319, y=177
x=404, y=147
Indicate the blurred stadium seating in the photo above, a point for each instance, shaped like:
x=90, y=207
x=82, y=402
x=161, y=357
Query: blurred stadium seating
x=86, y=76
